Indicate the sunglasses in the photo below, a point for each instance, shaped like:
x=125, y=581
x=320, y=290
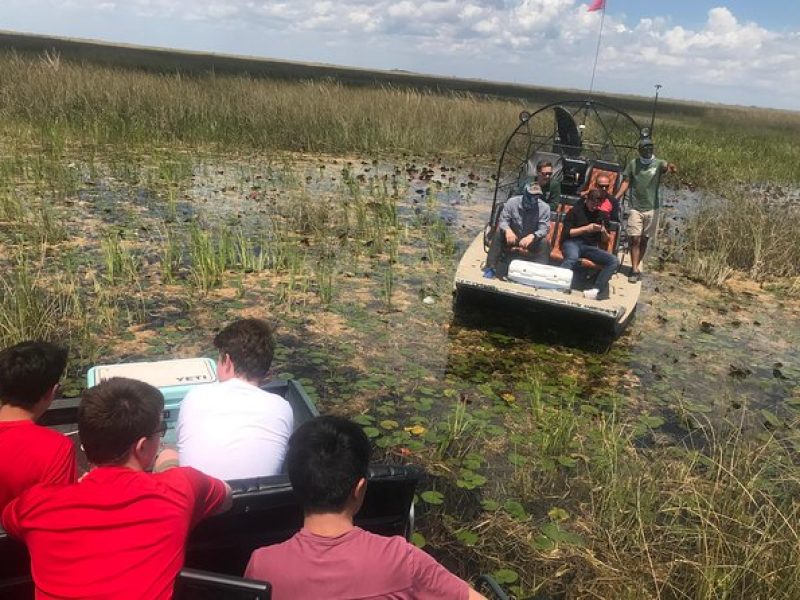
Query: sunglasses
x=162, y=430
x=602, y=187
x=546, y=173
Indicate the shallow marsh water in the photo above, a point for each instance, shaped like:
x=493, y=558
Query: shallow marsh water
x=353, y=259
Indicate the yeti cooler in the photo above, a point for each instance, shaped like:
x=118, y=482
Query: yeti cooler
x=539, y=276
x=173, y=377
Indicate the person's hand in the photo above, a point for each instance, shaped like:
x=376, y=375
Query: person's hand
x=594, y=227
x=525, y=242
x=511, y=238
x=603, y=233
x=671, y=168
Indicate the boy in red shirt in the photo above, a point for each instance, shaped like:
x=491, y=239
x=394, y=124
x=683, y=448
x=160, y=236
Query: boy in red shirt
x=329, y=557
x=29, y=453
x=120, y=533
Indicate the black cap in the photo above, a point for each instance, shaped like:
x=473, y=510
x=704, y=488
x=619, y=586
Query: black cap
x=645, y=141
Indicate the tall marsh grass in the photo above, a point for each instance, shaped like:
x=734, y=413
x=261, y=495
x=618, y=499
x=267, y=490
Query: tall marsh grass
x=95, y=105
x=746, y=233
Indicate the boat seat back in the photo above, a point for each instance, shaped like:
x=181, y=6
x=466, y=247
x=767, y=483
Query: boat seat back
x=191, y=584
x=612, y=170
x=265, y=511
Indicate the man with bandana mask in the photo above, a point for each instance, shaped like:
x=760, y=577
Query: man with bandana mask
x=522, y=229
x=643, y=176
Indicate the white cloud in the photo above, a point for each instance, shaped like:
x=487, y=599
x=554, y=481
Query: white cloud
x=554, y=39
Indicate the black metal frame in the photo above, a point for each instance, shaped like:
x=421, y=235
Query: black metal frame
x=533, y=142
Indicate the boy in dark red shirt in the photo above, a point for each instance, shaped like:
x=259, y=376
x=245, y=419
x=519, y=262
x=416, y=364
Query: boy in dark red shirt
x=329, y=557
x=29, y=453
x=120, y=533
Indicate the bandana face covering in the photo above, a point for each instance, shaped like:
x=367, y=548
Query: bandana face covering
x=646, y=161
x=529, y=200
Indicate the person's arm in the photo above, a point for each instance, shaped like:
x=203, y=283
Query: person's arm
x=212, y=496
x=623, y=187
x=64, y=467
x=475, y=595
x=626, y=180
x=544, y=221
x=227, y=503
x=504, y=223
x=669, y=167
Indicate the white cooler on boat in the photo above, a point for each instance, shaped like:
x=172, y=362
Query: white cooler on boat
x=539, y=276
x=173, y=377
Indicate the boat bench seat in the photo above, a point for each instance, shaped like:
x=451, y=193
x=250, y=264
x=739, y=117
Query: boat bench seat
x=265, y=511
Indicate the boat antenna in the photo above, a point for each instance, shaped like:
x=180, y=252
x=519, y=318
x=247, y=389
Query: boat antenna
x=597, y=5
x=653, y=116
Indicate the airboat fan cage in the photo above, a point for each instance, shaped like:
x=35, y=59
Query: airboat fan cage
x=567, y=132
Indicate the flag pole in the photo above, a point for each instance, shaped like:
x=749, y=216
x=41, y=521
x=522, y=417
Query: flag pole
x=597, y=51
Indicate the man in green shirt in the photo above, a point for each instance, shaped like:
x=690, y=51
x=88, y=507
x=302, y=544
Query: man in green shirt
x=551, y=188
x=643, y=176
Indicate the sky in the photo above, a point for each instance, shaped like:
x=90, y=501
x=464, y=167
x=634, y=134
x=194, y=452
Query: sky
x=729, y=51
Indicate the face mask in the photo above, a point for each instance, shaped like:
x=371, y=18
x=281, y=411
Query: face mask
x=529, y=200
x=646, y=161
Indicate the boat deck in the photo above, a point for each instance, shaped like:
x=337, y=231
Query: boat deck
x=619, y=308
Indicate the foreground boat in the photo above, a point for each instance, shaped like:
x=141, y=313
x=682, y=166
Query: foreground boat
x=265, y=510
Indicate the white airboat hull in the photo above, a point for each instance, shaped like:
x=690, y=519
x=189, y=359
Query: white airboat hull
x=619, y=308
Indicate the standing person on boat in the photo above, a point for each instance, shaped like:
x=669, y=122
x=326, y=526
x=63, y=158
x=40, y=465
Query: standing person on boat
x=584, y=229
x=120, y=532
x=643, y=176
x=521, y=232
x=330, y=557
x=29, y=453
x=232, y=429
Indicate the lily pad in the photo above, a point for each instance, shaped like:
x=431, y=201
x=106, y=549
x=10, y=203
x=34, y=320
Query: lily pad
x=467, y=537
x=418, y=539
x=505, y=576
x=372, y=432
x=516, y=510
x=432, y=497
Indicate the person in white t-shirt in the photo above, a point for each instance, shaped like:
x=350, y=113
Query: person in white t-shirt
x=232, y=429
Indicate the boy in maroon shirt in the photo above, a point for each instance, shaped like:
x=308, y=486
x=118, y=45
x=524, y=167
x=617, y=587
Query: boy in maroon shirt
x=120, y=533
x=329, y=557
x=29, y=453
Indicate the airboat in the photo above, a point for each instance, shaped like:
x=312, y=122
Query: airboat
x=265, y=510
x=582, y=139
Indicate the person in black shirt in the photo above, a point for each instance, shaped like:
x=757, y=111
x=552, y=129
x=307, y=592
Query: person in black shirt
x=584, y=227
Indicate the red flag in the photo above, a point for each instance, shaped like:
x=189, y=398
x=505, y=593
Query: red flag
x=597, y=5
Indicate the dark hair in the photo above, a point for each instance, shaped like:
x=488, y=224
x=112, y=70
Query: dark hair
x=543, y=163
x=28, y=370
x=113, y=415
x=596, y=194
x=325, y=458
x=250, y=344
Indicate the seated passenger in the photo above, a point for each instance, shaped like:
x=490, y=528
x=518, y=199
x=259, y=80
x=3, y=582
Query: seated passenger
x=551, y=188
x=522, y=227
x=610, y=204
x=120, y=532
x=584, y=228
x=29, y=453
x=330, y=557
x=233, y=429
